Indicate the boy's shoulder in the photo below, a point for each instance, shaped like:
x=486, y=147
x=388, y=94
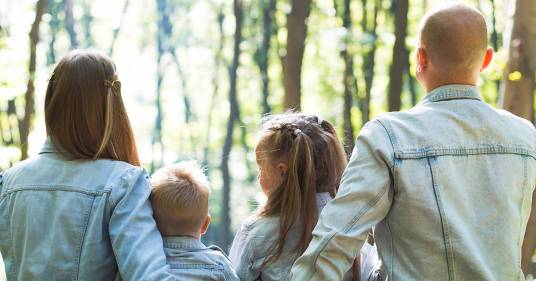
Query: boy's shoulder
x=200, y=263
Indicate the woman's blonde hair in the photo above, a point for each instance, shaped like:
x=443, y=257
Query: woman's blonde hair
x=84, y=113
x=316, y=160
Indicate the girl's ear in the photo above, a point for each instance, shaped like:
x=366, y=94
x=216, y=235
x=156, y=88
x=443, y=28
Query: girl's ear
x=282, y=168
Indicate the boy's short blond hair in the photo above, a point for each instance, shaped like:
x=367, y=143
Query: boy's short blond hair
x=179, y=197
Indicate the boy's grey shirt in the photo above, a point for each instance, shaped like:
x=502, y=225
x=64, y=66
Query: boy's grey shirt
x=449, y=186
x=78, y=220
x=189, y=259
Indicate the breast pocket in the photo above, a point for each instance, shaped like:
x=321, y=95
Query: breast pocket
x=48, y=228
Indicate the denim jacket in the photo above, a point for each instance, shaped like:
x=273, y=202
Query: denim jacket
x=78, y=220
x=448, y=185
x=257, y=236
x=191, y=260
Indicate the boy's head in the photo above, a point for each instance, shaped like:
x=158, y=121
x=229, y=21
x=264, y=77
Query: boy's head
x=180, y=199
x=453, y=45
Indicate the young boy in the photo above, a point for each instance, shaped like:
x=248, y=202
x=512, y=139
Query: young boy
x=179, y=198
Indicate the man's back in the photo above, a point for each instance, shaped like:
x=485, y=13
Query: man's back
x=448, y=185
x=463, y=180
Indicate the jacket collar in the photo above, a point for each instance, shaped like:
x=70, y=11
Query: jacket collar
x=451, y=92
x=183, y=242
x=48, y=147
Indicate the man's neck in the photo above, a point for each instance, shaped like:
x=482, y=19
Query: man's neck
x=436, y=80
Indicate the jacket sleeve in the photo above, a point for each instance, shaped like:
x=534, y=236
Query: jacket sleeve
x=364, y=199
x=136, y=242
x=242, y=255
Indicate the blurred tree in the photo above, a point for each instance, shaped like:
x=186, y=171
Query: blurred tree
x=218, y=59
x=118, y=28
x=349, y=79
x=87, y=22
x=369, y=56
x=517, y=90
x=262, y=53
x=400, y=54
x=234, y=116
x=69, y=23
x=25, y=124
x=54, y=25
x=296, y=34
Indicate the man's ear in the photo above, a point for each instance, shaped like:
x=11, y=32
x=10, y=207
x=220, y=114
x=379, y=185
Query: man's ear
x=204, y=228
x=282, y=168
x=421, y=59
x=487, y=59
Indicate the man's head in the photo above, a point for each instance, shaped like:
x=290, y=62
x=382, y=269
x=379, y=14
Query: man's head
x=453, y=46
x=180, y=199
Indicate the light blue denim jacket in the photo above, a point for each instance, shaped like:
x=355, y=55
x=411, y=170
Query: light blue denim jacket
x=254, y=241
x=257, y=236
x=78, y=220
x=448, y=185
x=191, y=260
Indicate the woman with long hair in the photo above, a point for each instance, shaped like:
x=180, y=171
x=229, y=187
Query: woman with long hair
x=79, y=210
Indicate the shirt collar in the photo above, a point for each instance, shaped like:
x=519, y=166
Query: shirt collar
x=453, y=91
x=183, y=242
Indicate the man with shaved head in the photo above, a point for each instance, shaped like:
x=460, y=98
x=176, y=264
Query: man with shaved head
x=447, y=185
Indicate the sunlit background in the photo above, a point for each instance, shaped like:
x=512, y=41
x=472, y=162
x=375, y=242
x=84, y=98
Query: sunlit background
x=195, y=75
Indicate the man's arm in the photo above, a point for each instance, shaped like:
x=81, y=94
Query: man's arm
x=529, y=243
x=363, y=200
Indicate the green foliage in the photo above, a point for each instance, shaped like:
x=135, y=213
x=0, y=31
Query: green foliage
x=194, y=37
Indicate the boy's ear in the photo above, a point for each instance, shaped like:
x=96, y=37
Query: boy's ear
x=204, y=228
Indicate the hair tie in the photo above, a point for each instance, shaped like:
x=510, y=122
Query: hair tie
x=297, y=132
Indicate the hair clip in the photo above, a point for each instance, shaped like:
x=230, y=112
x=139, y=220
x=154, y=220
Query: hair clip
x=111, y=83
x=297, y=131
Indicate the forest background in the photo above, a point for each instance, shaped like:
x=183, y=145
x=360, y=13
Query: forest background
x=199, y=75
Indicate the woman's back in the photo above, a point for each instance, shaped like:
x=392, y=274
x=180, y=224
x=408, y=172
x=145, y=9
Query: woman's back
x=77, y=220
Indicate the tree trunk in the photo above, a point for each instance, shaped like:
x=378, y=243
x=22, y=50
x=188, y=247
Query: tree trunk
x=268, y=9
x=69, y=23
x=161, y=43
x=400, y=55
x=118, y=28
x=349, y=80
x=495, y=41
x=26, y=123
x=296, y=33
x=54, y=25
x=233, y=117
x=87, y=20
x=215, y=85
x=369, y=59
x=517, y=90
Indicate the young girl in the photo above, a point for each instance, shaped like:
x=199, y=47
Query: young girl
x=301, y=162
x=79, y=210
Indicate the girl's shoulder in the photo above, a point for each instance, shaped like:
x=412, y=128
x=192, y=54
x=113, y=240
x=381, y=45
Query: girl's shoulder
x=260, y=226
